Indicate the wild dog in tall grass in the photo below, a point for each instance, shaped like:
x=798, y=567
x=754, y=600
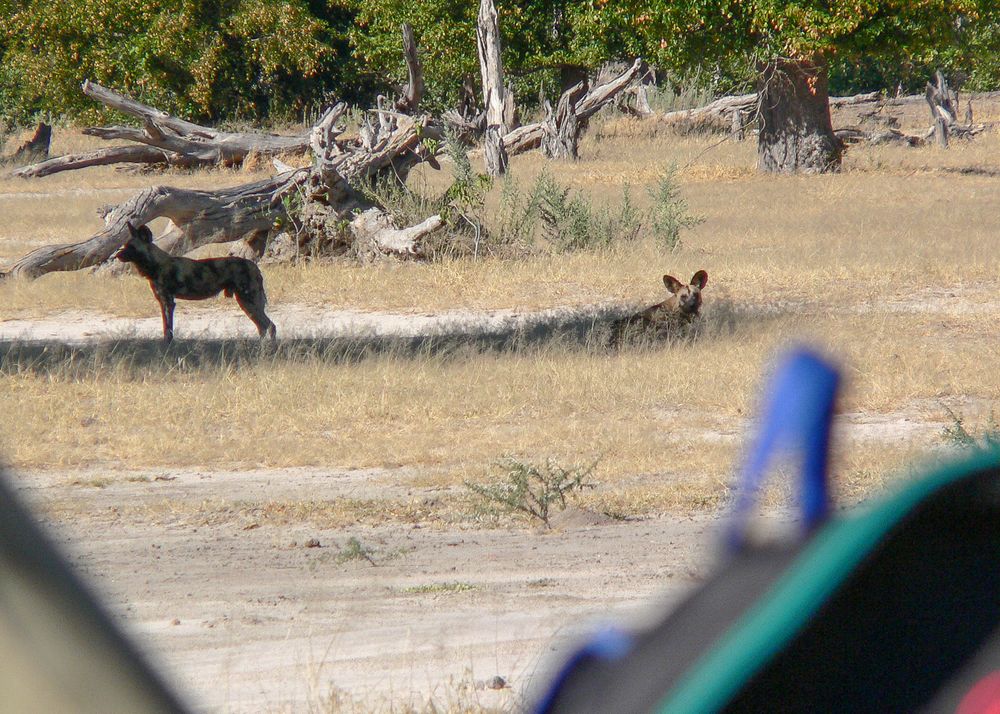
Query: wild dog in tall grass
x=188, y=279
x=666, y=317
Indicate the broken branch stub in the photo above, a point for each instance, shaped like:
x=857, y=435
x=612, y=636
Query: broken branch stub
x=413, y=92
x=529, y=136
x=561, y=128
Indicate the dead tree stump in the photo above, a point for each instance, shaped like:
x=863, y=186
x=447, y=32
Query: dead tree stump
x=491, y=68
x=942, y=106
x=34, y=149
x=561, y=128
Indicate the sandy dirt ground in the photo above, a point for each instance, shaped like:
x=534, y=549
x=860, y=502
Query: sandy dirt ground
x=249, y=617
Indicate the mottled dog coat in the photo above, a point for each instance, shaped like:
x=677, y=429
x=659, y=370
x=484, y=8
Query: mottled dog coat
x=187, y=279
x=656, y=320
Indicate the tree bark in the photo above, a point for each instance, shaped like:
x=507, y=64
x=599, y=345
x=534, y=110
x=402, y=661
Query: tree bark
x=796, y=134
x=561, y=128
x=491, y=68
x=34, y=149
x=529, y=136
x=413, y=92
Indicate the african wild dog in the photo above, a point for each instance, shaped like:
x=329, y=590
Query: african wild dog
x=188, y=279
x=678, y=310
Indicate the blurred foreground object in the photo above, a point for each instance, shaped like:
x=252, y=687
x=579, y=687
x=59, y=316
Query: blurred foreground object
x=59, y=649
x=893, y=606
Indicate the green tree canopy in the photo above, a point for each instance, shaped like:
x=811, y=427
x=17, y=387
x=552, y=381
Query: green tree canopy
x=258, y=58
x=199, y=59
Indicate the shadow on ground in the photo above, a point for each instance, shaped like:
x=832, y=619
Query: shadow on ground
x=588, y=331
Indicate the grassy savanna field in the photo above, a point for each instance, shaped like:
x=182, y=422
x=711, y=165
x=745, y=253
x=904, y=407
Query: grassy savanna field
x=892, y=266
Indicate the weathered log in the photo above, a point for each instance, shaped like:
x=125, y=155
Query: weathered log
x=733, y=112
x=721, y=108
x=166, y=140
x=491, y=69
x=146, y=155
x=34, y=149
x=385, y=238
x=856, y=135
x=865, y=98
x=252, y=212
x=202, y=143
x=201, y=217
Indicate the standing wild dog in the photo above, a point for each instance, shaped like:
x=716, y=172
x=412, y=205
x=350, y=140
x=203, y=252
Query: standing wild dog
x=678, y=310
x=187, y=279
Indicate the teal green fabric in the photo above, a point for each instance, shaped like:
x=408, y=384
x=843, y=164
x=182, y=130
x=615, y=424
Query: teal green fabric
x=829, y=558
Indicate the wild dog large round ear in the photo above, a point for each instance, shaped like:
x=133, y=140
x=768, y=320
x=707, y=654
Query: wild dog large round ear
x=672, y=284
x=141, y=233
x=700, y=279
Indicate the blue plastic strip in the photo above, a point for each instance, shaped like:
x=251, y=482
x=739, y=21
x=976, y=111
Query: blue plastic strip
x=795, y=425
x=607, y=644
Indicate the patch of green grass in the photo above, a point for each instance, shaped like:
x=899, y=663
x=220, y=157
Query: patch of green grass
x=354, y=550
x=440, y=588
x=959, y=435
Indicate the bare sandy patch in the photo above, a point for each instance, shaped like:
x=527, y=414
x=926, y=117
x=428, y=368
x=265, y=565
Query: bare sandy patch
x=249, y=617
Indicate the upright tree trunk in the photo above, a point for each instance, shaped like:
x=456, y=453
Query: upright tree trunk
x=34, y=149
x=796, y=134
x=493, y=90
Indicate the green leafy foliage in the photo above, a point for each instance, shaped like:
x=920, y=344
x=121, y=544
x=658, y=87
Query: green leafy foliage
x=669, y=214
x=205, y=60
x=255, y=59
x=959, y=435
x=531, y=489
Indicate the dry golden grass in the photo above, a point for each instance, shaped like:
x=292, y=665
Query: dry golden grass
x=893, y=266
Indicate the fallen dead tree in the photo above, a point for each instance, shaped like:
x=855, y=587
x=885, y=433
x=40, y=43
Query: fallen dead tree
x=731, y=113
x=321, y=205
x=164, y=140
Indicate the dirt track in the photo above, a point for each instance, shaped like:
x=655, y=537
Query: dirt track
x=247, y=617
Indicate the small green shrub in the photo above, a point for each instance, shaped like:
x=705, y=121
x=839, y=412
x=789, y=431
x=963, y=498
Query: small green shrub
x=555, y=216
x=354, y=550
x=532, y=490
x=669, y=214
x=958, y=435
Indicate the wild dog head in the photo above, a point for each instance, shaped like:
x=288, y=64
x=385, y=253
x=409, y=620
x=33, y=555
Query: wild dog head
x=687, y=297
x=136, y=246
